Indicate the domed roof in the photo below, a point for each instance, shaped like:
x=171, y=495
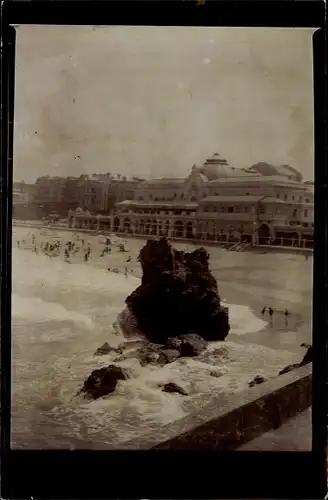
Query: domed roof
x=217, y=167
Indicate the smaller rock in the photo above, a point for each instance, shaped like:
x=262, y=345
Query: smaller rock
x=192, y=345
x=173, y=387
x=103, y=381
x=289, y=368
x=104, y=349
x=256, y=380
x=216, y=374
x=173, y=343
x=308, y=358
x=168, y=356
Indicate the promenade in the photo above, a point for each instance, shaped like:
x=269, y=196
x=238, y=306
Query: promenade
x=293, y=435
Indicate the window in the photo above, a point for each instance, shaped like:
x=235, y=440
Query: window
x=301, y=199
x=230, y=210
x=237, y=209
x=245, y=210
x=261, y=210
x=295, y=212
x=278, y=195
x=285, y=197
x=293, y=198
x=247, y=194
x=307, y=200
x=277, y=211
x=306, y=212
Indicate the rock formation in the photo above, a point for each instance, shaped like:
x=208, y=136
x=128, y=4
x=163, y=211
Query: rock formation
x=258, y=379
x=178, y=295
x=174, y=348
x=173, y=387
x=103, y=381
x=308, y=358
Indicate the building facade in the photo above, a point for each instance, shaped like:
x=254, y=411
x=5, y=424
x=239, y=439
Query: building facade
x=262, y=204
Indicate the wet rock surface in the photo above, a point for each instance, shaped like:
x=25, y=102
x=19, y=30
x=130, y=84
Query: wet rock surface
x=173, y=387
x=178, y=296
x=104, y=349
x=161, y=354
x=103, y=381
x=257, y=380
x=308, y=358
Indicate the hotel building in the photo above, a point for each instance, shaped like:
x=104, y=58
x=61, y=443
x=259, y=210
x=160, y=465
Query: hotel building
x=262, y=204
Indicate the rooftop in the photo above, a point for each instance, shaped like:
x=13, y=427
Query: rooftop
x=240, y=199
x=168, y=204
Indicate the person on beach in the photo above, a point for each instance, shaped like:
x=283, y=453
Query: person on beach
x=86, y=256
x=263, y=311
x=126, y=271
x=18, y=244
x=67, y=255
x=271, y=314
x=286, y=314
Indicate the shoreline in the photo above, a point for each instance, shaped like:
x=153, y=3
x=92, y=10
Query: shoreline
x=234, y=293
x=258, y=249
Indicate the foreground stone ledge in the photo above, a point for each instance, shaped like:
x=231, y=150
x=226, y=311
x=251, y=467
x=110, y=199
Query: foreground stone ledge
x=231, y=421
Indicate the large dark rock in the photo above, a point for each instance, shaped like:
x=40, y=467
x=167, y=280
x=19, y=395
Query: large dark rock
x=103, y=381
x=178, y=295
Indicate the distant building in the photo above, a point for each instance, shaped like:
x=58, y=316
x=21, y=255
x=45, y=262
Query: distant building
x=259, y=205
x=24, y=201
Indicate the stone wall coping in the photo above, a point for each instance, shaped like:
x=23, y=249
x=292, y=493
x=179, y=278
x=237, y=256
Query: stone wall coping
x=229, y=421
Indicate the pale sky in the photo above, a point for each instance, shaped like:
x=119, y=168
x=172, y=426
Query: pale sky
x=153, y=101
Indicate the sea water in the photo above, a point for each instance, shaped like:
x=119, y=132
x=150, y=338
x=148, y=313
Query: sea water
x=61, y=314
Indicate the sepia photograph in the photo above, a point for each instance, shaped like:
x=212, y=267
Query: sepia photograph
x=162, y=238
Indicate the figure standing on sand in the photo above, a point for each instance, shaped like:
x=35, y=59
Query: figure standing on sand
x=263, y=310
x=286, y=313
x=271, y=311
